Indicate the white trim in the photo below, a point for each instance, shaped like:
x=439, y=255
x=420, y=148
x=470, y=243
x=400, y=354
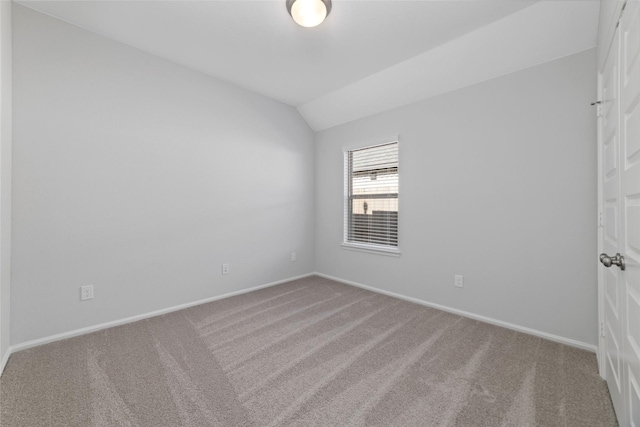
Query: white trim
x=604, y=45
x=601, y=352
x=365, y=247
x=46, y=340
x=372, y=249
x=64, y=335
x=373, y=142
x=562, y=340
x=4, y=360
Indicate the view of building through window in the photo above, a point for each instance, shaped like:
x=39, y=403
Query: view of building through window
x=372, y=199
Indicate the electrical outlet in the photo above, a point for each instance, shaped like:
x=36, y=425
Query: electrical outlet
x=458, y=280
x=86, y=292
x=225, y=268
x=293, y=257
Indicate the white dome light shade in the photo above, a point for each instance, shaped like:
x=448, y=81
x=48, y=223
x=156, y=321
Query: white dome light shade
x=309, y=13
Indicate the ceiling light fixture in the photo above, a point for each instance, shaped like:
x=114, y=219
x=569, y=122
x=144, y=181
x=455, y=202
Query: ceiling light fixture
x=309, y=13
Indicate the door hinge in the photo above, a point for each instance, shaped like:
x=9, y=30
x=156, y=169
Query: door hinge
x=598, y=105
x=600, y=219
x=602, y=329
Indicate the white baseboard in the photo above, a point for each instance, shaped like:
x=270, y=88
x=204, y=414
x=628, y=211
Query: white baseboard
x=551, y=337
x=5, y=359
x=64, y=335
x=46, y=340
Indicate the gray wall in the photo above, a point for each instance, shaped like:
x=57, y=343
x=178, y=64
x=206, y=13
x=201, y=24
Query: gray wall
x=498, y=183
x=142, y=177
x=5, y=177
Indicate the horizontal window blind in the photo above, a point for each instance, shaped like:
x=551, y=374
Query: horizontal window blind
x=371, y=199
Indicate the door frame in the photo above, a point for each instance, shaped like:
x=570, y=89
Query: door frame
x=601, y=357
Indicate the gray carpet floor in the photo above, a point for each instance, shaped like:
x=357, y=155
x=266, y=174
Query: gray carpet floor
x=306, y=353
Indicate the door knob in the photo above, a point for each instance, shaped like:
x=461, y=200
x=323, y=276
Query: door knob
x=608, y=261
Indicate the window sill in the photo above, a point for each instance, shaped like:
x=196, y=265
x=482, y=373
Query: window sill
x=380, y=250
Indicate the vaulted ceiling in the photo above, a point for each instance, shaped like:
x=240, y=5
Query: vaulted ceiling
x=367, y=57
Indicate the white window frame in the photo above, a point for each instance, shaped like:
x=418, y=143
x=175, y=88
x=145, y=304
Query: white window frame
x=367, y=247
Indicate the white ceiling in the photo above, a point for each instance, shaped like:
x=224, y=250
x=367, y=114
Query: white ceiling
x=367, y=57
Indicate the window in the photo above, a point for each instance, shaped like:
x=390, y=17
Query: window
x=371, y=198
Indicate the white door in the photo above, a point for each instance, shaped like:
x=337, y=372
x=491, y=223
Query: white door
x=611, y=243
x=620, y=175
x=630, y=203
